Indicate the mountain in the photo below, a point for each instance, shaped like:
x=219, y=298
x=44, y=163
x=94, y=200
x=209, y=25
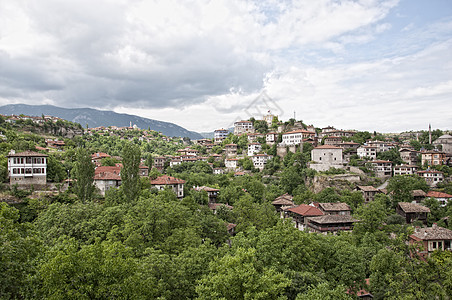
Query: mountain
x=96, y=118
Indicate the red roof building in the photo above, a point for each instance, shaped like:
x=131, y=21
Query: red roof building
x=176, y=184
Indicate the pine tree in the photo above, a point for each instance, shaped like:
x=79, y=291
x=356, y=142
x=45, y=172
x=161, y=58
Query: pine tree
x=84, y=175
x=131, y=156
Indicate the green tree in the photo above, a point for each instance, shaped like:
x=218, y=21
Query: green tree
x=241, y=276
x=131, y=157
x=401, y=187
x=84, y=175
x=19, y=246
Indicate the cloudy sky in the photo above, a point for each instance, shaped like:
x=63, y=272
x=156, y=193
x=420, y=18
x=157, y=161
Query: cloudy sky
x=364, y=64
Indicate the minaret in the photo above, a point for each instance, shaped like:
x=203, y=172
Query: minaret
x=430, y=134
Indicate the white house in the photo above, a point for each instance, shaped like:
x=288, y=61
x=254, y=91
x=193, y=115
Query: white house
x=382, y=168
x=405, y=170
x=254, y=148
x=220, y=135
x=432, y=177
x=243, y=127
x=27, y=168
x=326, y=157
x=176, y=184
x=107, y=177
x=231, y=163
x=296, y=137
x=367, y=151
x=271, y=137
x=259, y=160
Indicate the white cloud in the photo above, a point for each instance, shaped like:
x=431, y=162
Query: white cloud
x=201, y=64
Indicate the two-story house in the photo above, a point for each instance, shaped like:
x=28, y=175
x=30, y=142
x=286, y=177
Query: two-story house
x=241, y=127
x=176, y=184
x=260, y=160
x=432, y=239
x=254, y=148
x=27, y=168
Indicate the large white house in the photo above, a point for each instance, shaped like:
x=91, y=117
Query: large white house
x=325, y=157
x=27, y=168
x=296, y=137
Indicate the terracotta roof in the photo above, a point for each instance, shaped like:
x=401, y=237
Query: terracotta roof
x=165, y=179
x=335, y=206
x=435, y=194
x=327, y=147
x=112, y=169
x=432, y=233
x=381, y=161
x=100, y=155
x=367, y=188
x=306, y=210
x=230, y=226
x=107, y=173
x=408, y=207
x=430, y=171
x=27, y=154
x=298, y=131
x=332, y=219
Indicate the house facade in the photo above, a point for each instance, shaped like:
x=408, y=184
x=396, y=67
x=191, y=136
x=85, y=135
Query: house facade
x=220, y=134
x=367, y=152
x=300, y=214
x=259, y=160
x=326, y=157
x=296, y=137
x=107, y=177
x=432, y=239
x=433, y=158
x=241, y=127
x=408, y=155
x=432, y=177
x=382, y=168
x=443, y=198
x=176, y=184
x=253, y=148
x=231, y=163
x=27, y=168
x=331, y=224
x=405, y=170
x=368, y=192
x=412, y=212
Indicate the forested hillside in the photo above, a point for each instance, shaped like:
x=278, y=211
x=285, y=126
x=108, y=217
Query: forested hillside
x=138, y=242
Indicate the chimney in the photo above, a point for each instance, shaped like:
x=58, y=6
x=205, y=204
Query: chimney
x=434, y=225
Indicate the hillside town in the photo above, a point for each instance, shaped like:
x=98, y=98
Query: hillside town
x=264, y=171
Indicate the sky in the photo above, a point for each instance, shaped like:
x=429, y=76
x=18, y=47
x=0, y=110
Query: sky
x=203, y=64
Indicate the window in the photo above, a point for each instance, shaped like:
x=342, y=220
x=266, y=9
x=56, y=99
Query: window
x=434, y=245
x=440, y=245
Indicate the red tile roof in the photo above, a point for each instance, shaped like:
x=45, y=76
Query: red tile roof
x=306, y=210
x=435, y=194
x=167, y=180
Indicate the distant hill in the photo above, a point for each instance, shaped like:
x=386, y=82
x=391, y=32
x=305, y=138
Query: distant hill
x=96, y=118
